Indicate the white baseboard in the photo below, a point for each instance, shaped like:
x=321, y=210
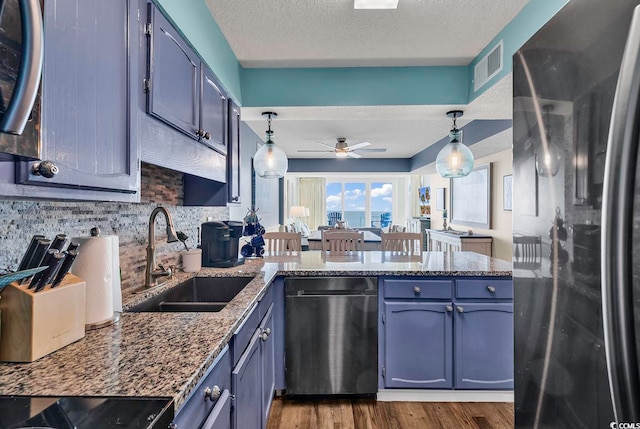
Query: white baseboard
x=406, y=395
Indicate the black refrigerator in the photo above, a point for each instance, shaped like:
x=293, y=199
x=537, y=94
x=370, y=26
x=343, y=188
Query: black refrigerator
x=576, y=218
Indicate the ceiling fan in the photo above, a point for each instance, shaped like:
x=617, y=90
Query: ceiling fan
x=343, y=150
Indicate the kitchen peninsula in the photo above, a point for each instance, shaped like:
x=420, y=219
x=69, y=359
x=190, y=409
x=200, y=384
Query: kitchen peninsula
x=167, y=354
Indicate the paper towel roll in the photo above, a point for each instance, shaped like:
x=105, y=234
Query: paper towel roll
x=97, y=265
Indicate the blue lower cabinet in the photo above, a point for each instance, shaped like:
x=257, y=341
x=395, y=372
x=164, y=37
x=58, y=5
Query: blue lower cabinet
x=483, y=346
x=246, y=381
x=267, y=351
x=220, y=417
x=206, y=397
x=418, y=345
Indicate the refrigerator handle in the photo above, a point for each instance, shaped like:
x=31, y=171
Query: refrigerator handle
x=617, y=229
x=30, y=71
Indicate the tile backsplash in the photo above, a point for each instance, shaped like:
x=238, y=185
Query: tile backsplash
x=19, y=220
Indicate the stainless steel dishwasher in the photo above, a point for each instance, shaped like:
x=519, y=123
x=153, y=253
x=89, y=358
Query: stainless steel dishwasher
x=332, y=335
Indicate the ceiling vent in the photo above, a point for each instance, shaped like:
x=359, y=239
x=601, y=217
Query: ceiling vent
x=489, y=66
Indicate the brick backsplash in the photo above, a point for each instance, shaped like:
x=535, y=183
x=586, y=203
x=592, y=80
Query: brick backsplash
x=19, y=220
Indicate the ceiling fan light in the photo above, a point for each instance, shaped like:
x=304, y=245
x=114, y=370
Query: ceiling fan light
x=375, y=4
x=341, y=153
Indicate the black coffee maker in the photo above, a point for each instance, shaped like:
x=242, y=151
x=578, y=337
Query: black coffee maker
x=219, y=242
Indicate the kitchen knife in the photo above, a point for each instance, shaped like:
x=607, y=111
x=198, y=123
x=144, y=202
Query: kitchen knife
x=41, y=250
x=70, y=256
x=59, y=242
x=28, y=255
x=49, y=273
x=46, y=261
x=73, y=246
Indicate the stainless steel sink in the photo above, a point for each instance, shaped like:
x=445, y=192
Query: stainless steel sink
x=196, y=294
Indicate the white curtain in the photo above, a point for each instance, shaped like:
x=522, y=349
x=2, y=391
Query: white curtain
x=313, y=194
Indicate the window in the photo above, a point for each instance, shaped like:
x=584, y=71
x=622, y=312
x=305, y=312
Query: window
x=360, y=204
x=354, y=209
x=334, y=203
x=381, y=204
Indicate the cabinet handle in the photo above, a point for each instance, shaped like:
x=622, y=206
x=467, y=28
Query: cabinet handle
x=268, y=331
x=172, y=425
x=207, y=135
x=416, y=289
x=264, y=336
x=45, y=169
x=212, y=393
x=235, y=198
x=460, y=309
x=449, y=308
x=491, y=289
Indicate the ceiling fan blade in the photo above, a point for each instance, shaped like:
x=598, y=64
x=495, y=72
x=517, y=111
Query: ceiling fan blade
x=316, y=151
x=326, y=145
x=353, y=155
x=371, y=150
x=359, y=145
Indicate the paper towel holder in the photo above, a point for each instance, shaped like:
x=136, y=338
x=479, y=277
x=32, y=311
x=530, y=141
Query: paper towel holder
x=114, y=319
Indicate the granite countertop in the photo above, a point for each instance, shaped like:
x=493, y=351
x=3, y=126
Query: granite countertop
x=166, y=354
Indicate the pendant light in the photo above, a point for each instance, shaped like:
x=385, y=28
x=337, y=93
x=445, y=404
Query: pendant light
x=455, y=159
x=549, y=159
x=270, y=161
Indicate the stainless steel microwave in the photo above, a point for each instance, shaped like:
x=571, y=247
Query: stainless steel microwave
x=21, y=54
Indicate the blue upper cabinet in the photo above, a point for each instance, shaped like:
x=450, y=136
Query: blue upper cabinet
x=174, y=72
x=183, y=92
x=213, y=112
x=85, y=124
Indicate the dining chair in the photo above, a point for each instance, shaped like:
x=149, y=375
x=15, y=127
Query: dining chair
x=282, y=242
x=527, y=252
x=409, y=243
x=342, y=241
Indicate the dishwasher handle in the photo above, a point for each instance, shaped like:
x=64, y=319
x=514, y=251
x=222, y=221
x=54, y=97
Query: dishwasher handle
x=302, y=293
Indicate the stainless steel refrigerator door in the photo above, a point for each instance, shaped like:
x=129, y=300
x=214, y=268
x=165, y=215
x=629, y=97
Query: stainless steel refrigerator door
x=564, y=84
x=619, y=233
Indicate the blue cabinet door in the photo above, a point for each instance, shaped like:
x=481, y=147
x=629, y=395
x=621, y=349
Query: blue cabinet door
x=174, y=72
x=233, y=154
x=484, y=346
x=213, y=112
x=246, y=379
x=418, y=345
x=85, y=97
x=268, y=363
x=220, y=417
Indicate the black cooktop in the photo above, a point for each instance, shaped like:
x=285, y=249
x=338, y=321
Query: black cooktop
x=75, y=412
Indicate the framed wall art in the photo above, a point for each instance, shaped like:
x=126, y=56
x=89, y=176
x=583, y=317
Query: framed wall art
x=471, y=198
x=507, y=193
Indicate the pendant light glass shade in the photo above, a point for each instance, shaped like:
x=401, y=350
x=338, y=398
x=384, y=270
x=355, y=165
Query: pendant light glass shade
x=455, y=159
x=270, y=162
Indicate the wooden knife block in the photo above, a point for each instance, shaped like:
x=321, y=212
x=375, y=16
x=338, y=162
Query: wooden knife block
x=34, y=324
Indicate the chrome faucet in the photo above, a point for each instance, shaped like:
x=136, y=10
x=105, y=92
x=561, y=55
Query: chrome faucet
x=151, y=273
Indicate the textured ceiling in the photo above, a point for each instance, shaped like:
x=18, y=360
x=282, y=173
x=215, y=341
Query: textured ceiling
x=331, y=33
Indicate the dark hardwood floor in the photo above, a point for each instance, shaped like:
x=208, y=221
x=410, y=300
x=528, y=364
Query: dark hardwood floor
x=369, y=414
